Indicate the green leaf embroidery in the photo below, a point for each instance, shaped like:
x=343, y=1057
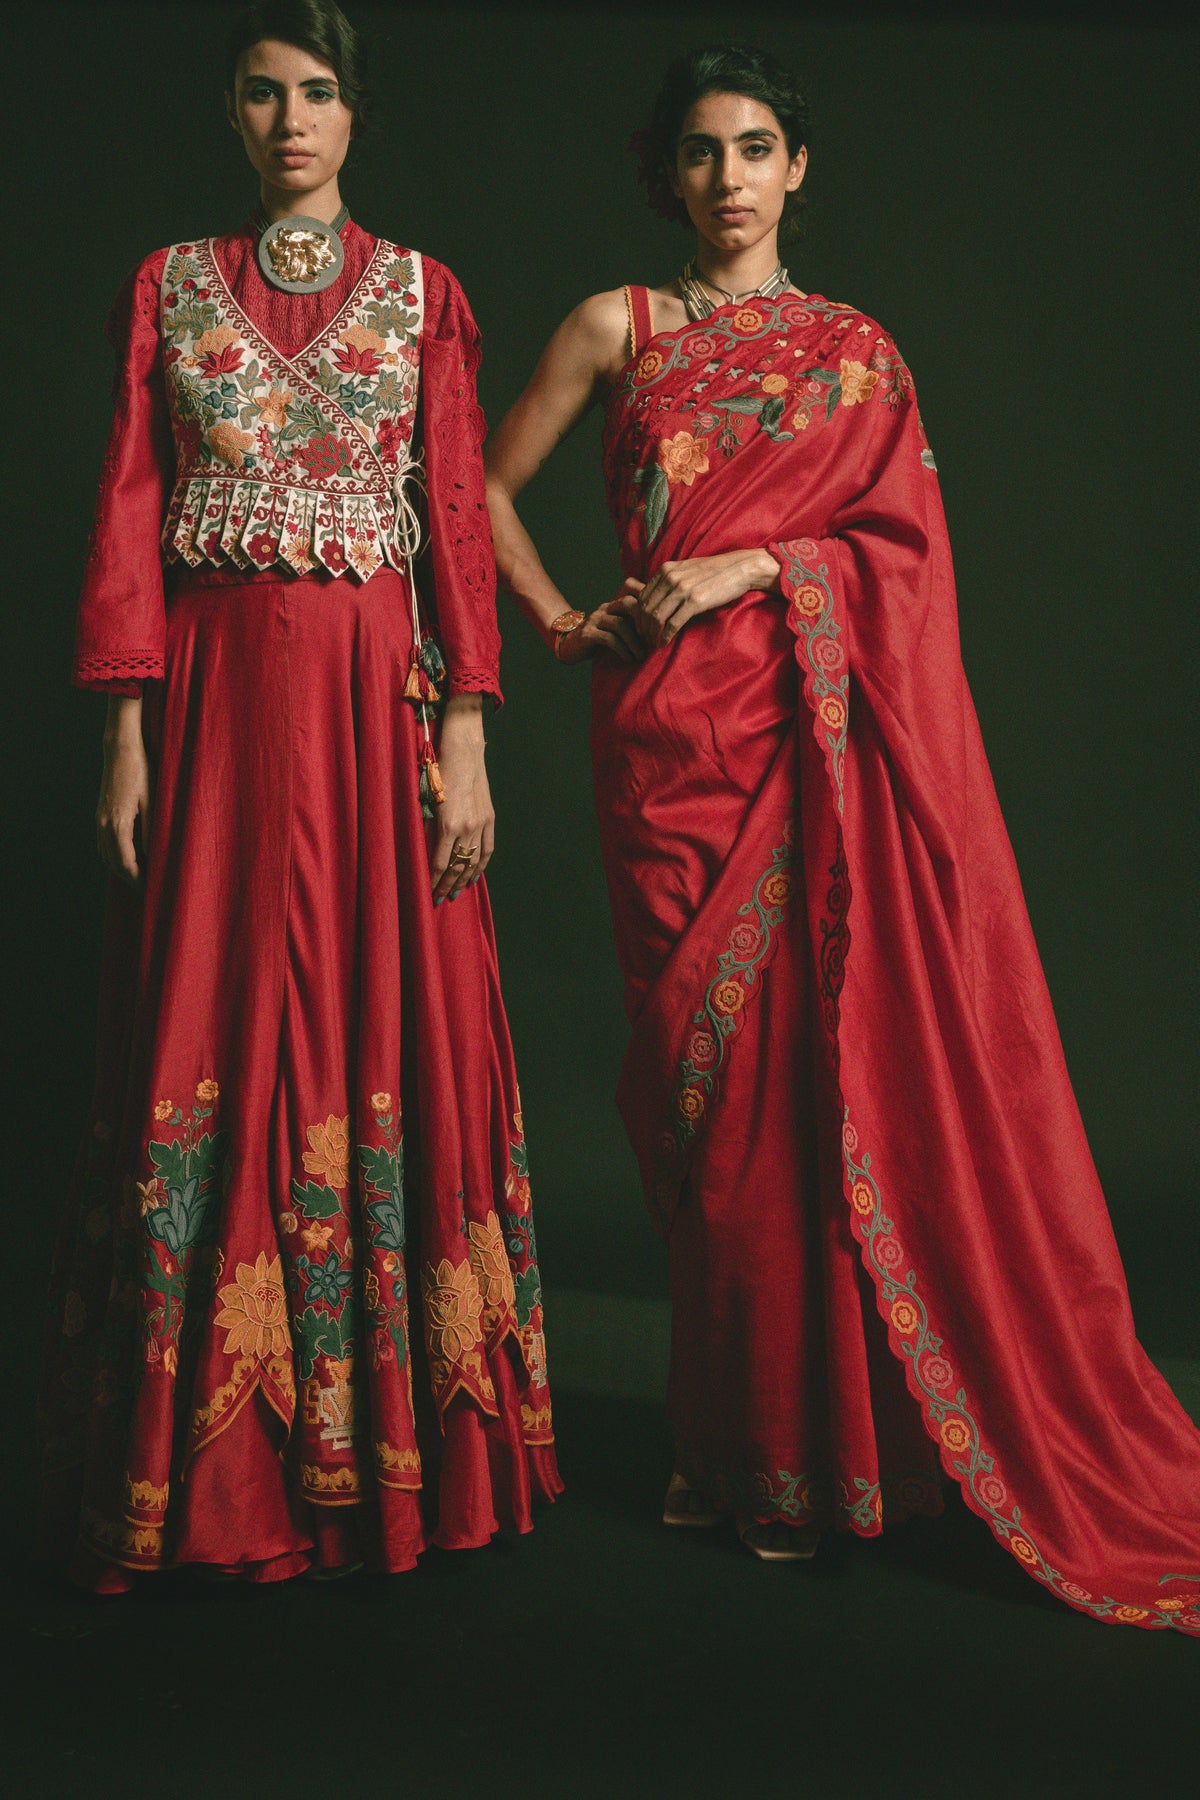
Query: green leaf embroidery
x=657, y=494
x=315, y=1200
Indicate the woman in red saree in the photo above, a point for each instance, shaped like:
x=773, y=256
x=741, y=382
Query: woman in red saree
x=306, y=1118
x=890, y=1259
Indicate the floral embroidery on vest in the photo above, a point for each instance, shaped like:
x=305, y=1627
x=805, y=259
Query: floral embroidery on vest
x=303, y=461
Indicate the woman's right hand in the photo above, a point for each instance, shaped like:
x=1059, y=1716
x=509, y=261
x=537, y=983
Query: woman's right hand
x=610, y=627
x=124, y=792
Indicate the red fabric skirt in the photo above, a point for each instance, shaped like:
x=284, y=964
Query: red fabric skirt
x=306, y=1123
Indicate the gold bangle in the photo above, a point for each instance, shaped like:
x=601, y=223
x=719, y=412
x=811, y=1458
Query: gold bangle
x=563, y=626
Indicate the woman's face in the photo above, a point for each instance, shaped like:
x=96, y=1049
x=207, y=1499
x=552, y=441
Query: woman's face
x=733, y=171
x=292, y=119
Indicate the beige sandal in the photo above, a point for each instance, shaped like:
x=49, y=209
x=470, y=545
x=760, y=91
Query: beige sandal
x=802, y=1541
x=677, y=1512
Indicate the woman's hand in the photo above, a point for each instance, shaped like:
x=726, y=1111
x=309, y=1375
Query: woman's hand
x=466, y=819
x=610, y=627
x=680, y=591
x=124, y=791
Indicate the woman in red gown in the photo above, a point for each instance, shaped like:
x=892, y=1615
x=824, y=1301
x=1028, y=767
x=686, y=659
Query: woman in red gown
x=889, y=1256
x=306, y=1119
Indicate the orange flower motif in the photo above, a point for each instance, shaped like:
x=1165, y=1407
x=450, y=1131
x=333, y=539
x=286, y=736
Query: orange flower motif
x=273, y=410
x=207, y=1092
x=254, y=1314
x=1022, y=1548
x=683, y=457
x=905, y=1317
x=489, y=1260
x=956, y=1435
x=862, y=1198
x=746, y=319
x=833, y=712
x=858, y=383
x=361, y=337
x=453, y=1305
x=151, y=1194
x=774, y=384
x=799, y=420
x=287, y=1223
x=330, y=1153
x=728, y=997
x=381, y=1103
x=649, y=366
x=74, y=1315
x=171, y=1360
x=691, y=1103
x=211, y=343
x=809, y=600
x=1129, y=1615
x=163, y=1110
x=316, y=1236
x=228, y=444
x=776, y=890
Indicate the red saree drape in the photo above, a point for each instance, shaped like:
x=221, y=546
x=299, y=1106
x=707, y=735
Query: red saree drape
x=843, y=1054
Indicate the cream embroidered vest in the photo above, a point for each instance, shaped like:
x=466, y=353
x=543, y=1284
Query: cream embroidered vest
x=303, y=460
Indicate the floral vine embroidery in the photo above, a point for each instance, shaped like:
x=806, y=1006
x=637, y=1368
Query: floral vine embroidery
x=812, y=616
x=721, y=1013
x=947, y=1406
x=178, y=1205
x=384, y=1285
x=520, y=1240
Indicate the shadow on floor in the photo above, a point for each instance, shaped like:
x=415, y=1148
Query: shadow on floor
x=603, y=1656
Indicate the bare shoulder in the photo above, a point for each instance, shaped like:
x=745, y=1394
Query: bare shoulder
x=598, y=328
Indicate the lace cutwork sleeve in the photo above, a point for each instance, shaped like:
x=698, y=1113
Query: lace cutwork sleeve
x=121, y=629
x=461, y=560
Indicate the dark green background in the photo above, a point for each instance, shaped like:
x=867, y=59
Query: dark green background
x=1008, y=198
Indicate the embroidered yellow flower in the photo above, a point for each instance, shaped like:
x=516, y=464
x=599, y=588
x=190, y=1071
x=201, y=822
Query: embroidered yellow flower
x=381, y=1103
x=489, y=1259
x=171, y=1360
x=287, y=1223
x=1130, y=1615
x=453, y=1305
x=211, y=343
x=207, y=1092
x=254, y=1314
x=329, y=1156
x=728, y=997
x=746, y=319
x=316, y=1236
x=774, y=384
x=682, y=458
x=858, y=383
x=1022, y=1548
x=833, y=712
x=956, y=1435
x=228, y=444
x=776, y=890
x=862, y=1199
x=906, y=1318
x=151, y=1194
x=163, y=1110
x=273, y=410
x=649, y=366
x=691, y=1103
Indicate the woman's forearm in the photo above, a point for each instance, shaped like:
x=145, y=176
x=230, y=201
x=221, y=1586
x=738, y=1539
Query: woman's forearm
x=519, y=566
x=123, y=721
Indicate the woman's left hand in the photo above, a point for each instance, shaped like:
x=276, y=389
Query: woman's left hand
x=680, y=591
x=465, y=820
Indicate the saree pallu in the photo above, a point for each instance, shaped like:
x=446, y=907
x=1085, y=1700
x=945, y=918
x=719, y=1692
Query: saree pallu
x=296, y=1313
x=844, y=1075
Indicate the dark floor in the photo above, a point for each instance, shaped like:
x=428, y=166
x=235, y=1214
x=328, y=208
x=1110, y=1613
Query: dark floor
x=604, y=1656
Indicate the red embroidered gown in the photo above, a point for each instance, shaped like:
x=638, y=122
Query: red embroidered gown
x=844, y=1082
x=306, y=1118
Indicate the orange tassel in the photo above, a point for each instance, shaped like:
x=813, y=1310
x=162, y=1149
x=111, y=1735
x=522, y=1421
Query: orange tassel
x=429, y=692
x=412, y=687
x=433, y=774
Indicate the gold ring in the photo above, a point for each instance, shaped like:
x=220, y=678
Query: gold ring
x=465, y=853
